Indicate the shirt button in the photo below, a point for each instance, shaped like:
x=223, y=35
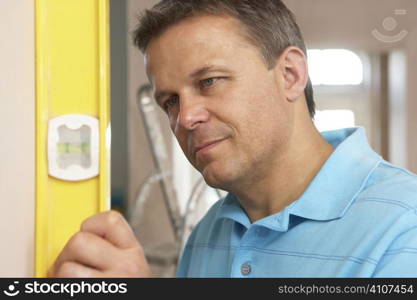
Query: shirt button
x=245, y=269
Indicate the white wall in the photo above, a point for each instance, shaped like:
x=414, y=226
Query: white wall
x=411, y=52
x=17, y=138
x=397, y=111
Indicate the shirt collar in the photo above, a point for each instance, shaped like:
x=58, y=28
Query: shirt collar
x=231, y=209
x=333, y=189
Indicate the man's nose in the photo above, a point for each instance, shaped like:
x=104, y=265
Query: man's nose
x=191, y=114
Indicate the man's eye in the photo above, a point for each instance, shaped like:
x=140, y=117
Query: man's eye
x=205, y=83
x=170, y=102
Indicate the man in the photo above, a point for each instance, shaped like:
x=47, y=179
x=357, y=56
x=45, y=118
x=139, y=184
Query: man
x=232, y=78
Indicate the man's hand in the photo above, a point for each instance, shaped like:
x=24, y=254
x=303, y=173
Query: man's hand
x=104, y=247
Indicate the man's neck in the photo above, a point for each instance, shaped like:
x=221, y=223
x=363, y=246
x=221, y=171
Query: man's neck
x=288, y=178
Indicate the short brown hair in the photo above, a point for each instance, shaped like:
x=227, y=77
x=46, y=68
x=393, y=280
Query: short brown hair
x=270, y=26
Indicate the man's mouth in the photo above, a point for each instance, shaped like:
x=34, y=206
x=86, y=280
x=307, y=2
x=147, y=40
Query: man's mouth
x=203, y=147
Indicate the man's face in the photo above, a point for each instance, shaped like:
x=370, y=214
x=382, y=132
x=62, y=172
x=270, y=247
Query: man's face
x=225, y=107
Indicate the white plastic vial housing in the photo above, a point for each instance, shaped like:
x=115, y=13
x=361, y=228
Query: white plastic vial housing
x=73, y=147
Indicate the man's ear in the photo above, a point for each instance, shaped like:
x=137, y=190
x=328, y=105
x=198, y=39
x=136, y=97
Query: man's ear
x=293, y=69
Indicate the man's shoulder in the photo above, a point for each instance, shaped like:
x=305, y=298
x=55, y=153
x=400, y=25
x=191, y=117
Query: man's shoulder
x=391, y=183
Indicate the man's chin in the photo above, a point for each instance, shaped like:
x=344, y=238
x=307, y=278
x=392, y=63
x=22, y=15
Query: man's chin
x=217, y=179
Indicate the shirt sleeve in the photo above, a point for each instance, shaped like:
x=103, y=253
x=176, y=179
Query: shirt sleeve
x=400, y=260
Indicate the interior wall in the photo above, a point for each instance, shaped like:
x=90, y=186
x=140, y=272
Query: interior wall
x=349, y=23
x=411, y=53
x=17, y=136
x=397, y=108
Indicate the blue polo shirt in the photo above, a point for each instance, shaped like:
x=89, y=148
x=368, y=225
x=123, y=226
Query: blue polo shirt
x=357, y=218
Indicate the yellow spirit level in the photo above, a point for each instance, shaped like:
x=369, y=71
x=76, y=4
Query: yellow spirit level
x=72, y=120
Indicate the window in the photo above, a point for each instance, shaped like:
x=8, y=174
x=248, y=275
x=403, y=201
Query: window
x=334, y=67
x=334, y=119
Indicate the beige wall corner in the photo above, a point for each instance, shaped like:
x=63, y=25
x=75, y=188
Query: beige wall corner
x=17, y=138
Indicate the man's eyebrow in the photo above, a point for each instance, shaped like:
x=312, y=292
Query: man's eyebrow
x=207, y=69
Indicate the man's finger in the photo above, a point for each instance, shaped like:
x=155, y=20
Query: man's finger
x=71, y=269
x=112, y=226
x=87, y=249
